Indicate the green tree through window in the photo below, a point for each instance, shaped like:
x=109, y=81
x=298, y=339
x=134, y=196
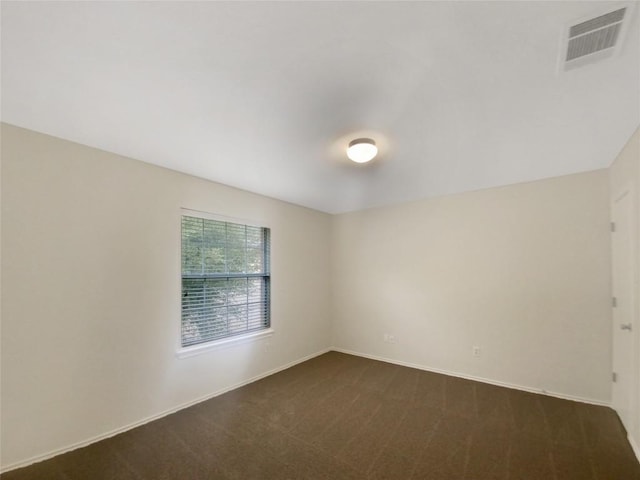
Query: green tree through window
x=225, y=279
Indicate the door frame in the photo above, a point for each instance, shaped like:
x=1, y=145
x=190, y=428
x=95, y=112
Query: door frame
x=634, y=240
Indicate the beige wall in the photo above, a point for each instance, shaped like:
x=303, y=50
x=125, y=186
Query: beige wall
x=625, y=174
x=91, y=291
x=522, y=271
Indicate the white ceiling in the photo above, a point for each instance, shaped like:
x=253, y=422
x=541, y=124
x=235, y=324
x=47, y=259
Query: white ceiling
x=265, y=96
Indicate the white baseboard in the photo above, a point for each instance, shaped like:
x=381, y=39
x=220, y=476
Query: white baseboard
x=75, y=446
x=475, y=378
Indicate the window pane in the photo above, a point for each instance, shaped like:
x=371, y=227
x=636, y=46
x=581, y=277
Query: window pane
x=255, y=291
x=236, y=260
x=255, y=260
x=237, y=291
x=215, y=292
x=214, y=233
x=215, y=325
x=203, y=311
x=215, y=305
x=214, y=247
x=237, y=318
x=191, y=245
x=236, y=234
x=255, y=237
x=256, y=316
x=214, y=259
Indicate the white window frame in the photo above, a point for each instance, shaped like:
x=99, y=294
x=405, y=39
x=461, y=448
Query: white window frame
x=192, y=350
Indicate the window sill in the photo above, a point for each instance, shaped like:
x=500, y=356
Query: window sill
x=223, y=343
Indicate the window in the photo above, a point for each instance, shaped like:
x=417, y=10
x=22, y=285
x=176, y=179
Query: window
x=225, y=280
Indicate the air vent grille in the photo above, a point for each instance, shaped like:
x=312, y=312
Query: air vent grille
x=593, y=42
x=593, y=39
x=596, y=23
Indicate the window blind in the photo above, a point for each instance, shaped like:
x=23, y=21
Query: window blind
x=225, y=279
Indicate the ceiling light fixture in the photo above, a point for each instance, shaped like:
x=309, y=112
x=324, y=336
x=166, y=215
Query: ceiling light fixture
x=362, y=150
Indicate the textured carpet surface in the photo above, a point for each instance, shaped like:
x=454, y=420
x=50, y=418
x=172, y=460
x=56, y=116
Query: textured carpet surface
x=339, y=416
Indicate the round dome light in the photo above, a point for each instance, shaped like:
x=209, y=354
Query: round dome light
x=362, y=150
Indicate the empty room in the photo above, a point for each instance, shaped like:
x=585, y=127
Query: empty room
x=320, y=240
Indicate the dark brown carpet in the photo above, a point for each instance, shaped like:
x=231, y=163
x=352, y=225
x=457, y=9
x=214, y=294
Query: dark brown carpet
x=339, y=416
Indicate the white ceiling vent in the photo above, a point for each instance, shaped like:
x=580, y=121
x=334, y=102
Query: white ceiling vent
x=595, y=38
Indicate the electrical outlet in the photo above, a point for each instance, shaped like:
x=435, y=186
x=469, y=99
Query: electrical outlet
x=388, y=338
x=476, y=351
